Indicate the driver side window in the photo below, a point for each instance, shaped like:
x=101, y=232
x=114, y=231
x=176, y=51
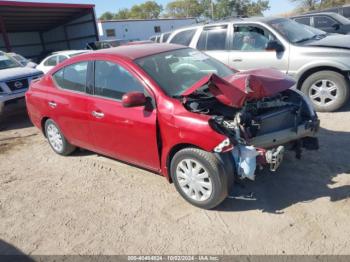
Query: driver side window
x=113, y=80
x=250, y=38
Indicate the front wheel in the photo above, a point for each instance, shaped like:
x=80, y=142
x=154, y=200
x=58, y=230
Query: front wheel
x=327, y=90
x=199, y=178
x=56, y=139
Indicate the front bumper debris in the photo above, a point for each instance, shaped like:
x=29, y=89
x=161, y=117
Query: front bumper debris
x=274, y=157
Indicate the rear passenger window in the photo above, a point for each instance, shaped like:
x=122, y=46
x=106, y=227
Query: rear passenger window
x=52, y=61
x=72, y=77
x=183, y=37
x=303, y=20
x=213, y=38
x=113, y=81
x=323, y=21
x=61, y=58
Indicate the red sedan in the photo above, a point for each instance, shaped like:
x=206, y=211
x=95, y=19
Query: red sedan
x=175, y=111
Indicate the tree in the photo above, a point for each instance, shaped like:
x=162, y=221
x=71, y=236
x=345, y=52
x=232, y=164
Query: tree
x=151, y=9
x=309, y=5
x=184, y=8
x=208, y=8
x=122, y=14
x=147, y=10
x=226, y=8
x=106, y=16
x=332, y=3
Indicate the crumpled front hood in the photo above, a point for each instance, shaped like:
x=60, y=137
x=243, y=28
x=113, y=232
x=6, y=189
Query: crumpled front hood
x=236, y=89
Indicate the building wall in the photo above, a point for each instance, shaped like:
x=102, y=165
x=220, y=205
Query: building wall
x=78, y=34
x=26, y=44
x=139, y=29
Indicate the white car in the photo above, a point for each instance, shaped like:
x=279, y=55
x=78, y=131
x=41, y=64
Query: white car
x=56, y=58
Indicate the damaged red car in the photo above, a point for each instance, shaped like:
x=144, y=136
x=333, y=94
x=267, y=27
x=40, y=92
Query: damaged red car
x=175, y=111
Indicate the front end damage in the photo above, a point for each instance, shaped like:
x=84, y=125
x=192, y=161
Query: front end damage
x=260, y=115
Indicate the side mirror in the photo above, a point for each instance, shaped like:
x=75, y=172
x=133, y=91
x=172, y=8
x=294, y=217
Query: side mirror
x=336, y=26
x=274, y=45
x=133, y=99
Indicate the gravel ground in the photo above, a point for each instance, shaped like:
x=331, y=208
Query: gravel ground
x=90, y=204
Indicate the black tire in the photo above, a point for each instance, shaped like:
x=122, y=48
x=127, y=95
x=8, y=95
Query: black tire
x=215, y=171
x=66, y=148
x=338, y=79
x=2, y=106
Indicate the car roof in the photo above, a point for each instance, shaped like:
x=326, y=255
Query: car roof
x=254, y=19
x=317, y=13
x=69, y=52
x=137, y=51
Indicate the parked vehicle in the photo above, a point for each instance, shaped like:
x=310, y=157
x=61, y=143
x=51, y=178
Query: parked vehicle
x=175, y=111
x=162, y=38
x=22, y=60
x=155, y=38
x=328, y=22
x=342, y=10
x=14, y=79
x=57, y=57
x=318, y=62
x=97, y=45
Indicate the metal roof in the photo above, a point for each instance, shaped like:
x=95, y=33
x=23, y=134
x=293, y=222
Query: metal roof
x=29, y=16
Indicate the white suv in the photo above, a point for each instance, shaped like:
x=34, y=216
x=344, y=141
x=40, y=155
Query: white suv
x=14, y=79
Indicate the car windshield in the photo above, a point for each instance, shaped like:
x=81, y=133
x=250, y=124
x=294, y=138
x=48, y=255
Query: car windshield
x=176, y=71
x=20, y=59
x=293, y=31
x=6, y=62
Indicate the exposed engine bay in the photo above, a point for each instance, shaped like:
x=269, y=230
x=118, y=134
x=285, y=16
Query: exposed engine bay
x=261, y=128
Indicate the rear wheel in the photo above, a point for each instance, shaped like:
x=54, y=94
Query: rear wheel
x=327, y=90
x=199, y=178
x=56, y=139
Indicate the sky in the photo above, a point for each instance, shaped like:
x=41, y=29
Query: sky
x=101, y=6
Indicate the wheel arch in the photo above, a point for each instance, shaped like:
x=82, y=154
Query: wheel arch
x=313, y=70
x=42, y=124
x=171, y=153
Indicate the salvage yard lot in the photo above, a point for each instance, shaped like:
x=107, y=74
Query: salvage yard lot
x=90, y=204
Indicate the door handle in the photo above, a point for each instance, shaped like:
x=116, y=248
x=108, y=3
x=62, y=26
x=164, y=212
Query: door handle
x=97, y=114
x=52, y=104
x=237, y=60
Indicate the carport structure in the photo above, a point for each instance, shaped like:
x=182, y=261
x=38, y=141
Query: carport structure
x=36, y=29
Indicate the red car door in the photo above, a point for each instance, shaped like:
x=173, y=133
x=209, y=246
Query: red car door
x=67, y=103
x=128, y=134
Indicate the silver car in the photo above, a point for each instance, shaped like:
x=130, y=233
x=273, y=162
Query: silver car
x=320, y=63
